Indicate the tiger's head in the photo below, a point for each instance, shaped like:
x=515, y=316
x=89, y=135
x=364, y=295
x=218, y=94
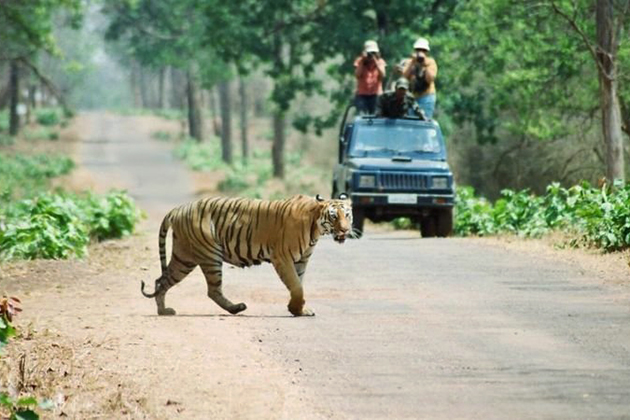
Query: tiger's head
x=336, y=217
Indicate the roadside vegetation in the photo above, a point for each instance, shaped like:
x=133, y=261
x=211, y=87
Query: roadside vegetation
x=253, y=179
x=39, y=222
x=590, y=216
x=18, y=407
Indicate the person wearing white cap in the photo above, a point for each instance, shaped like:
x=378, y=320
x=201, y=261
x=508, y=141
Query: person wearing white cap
x=421, y=72
x=369, y=69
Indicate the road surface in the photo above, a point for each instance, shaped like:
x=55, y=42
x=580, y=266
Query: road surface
x=405, y=328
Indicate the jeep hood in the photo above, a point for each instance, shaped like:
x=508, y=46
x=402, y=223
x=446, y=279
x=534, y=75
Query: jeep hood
x=387, y=164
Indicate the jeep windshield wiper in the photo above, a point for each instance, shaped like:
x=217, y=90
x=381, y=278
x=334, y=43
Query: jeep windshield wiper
x=384, y=149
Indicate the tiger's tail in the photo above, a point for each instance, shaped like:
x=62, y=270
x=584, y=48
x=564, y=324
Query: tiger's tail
x=164, y=227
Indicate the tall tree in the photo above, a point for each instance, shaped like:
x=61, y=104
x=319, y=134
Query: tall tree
x=14, y=93
x=243, y=106
x=26, y=29
x=610, y=16
x=225, y=101
x=163, y=33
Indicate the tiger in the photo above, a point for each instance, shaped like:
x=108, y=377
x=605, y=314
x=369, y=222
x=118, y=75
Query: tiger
x=245, y=232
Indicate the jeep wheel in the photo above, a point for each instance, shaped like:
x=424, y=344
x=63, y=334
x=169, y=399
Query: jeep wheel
x=444, y=218
x=428, y=226
x=358, y=218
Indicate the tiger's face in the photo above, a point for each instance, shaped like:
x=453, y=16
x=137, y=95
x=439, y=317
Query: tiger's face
x=336, y=219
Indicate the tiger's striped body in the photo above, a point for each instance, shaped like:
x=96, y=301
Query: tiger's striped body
x=246, y=232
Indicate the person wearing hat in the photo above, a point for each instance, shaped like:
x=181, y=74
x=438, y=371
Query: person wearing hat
x=398, y=103
x=370, y=72
x=421, y=71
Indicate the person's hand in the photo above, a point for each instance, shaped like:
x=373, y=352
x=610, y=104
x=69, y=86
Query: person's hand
x=419, y=57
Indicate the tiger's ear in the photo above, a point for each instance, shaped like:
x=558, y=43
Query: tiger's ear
x=343, y=196
x=319, y=198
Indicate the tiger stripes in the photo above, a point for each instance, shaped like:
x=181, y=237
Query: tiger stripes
x=245, y=232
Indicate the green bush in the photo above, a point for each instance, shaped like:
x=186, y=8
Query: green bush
x=26, y=175
x=48, y=116
x=201, y=156
x=594, y=216
x=41, y=133
x=473, y=215
x=59, y=226
x=111, y=216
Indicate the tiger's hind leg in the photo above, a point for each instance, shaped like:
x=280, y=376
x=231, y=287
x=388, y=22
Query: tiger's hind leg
x=214, y=279
x=178, y=268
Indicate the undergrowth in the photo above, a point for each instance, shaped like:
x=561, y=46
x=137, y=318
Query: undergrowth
x=61, y=225
x=598, y=217
x=251, y=179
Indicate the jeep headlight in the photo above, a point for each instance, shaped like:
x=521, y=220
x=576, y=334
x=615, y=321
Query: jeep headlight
x=367, y=181
x=439, y=183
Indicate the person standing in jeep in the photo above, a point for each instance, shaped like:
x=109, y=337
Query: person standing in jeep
x=421, y=72
x=370, y=72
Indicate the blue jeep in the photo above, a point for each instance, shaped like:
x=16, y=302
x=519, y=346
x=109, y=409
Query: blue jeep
x=395, y=168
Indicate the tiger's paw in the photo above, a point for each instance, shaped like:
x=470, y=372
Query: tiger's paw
x=239, y=307
x=307, y=312
x=301, y=311
x=166, y=311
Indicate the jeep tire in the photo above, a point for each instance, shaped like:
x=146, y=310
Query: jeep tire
x=428, y=226
x=444, y=222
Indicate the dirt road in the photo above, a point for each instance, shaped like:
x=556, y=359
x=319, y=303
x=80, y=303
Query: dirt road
x=406, y=328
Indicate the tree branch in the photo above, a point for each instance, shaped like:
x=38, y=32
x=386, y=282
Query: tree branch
x=592, y=49
x=47, y=82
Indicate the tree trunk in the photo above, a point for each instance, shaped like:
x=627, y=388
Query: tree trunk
x=226, y=121
x=14, y=94
x=195, y=119
x=611, y=114
x=161, y=82
x=144, y=88
x=277, y=151
x=135, y=85
x=212, y=103
x=177, y=94
x=244, y=140
x=31, y=103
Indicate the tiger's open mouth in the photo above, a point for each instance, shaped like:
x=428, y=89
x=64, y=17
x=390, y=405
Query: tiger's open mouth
x=340, y=237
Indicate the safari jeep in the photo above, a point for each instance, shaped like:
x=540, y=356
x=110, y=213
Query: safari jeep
x=395, y=168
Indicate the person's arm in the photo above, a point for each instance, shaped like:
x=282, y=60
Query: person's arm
x=380, y=65
x=359, y=66
x=430, y=71
x=409, y=67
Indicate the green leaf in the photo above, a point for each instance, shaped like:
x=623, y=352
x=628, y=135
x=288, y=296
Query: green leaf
x=26, y=415
x=26, y=401
x=5, y=400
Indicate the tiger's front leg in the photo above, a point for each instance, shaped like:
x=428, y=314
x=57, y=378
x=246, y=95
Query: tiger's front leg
x=289, y=276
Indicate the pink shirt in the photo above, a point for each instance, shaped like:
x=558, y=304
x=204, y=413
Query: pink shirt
x=369, y=79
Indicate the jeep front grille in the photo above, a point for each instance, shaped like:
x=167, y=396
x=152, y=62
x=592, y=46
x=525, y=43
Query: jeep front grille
x=403, y=181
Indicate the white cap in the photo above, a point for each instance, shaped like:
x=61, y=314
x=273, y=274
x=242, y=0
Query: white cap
x=421, y=44
x=370, y=46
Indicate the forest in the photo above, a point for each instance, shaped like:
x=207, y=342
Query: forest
x=532, y=95
x=113, y=112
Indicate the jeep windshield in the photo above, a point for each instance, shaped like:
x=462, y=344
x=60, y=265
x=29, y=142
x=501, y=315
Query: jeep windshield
x=384, y=140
